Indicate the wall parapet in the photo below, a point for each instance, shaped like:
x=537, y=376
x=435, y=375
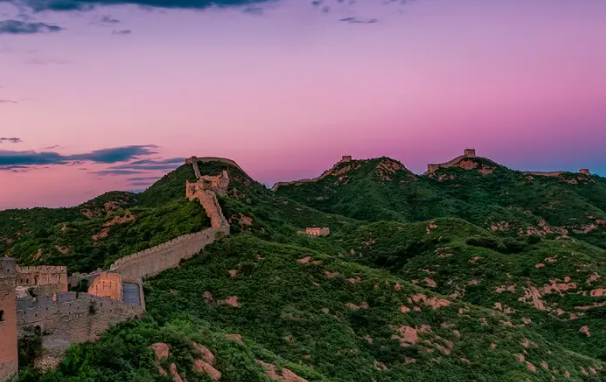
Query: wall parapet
x=42, y=269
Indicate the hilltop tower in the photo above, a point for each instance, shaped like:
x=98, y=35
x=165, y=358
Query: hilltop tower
x=584, y=171
x=346, y=158
x=469, y=153
x=9, y=361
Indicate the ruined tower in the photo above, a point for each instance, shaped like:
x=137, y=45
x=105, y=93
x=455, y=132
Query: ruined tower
x=585, y=171
x=9, y=364
x=469, y=153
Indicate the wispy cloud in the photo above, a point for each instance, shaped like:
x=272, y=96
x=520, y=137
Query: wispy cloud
x=122, y=32
x=7, y=101
x=109, y=20
x=112, y=172
x=104, y=156
x=10, y=140
x=355, y=20
x=46, y=61
x=85, y=5
x=144, y=179
x=24, y=27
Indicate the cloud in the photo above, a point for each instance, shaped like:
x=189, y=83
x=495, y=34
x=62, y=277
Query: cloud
x=10, y=140
x=355, y=20
x=103, y=156
x=23, y=27
x=7, y=101
x=141, y=184
x=109, y=20
x=112, y=172
x=122, y=32
x=144, y=179
x=149, y=165
x=45, y=61
x=86, y=5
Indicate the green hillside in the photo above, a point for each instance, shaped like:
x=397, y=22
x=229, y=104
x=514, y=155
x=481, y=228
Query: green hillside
x=484, y=193
x=484, y=274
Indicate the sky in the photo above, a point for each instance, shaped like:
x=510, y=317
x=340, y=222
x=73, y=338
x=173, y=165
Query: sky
x=100, y=95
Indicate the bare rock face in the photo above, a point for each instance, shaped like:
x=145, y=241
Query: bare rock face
x=174, y=373
x=287, y=376
x=161, y=350
x=205, y=353
x=204, y=368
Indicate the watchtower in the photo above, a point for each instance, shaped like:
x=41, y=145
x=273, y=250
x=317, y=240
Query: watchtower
x=346, y=158
x=584, y=171
x=469, y=153
x=9, y=361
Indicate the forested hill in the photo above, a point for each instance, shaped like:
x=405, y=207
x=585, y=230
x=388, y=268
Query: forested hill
x=466, y=274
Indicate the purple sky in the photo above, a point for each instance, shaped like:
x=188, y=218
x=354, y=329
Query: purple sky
x=287, y=87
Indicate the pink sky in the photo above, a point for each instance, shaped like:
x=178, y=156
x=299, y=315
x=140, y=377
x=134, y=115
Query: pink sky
x=286, y=93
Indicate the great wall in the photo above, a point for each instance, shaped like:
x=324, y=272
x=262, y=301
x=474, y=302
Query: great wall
x=38, y=296
x=464, y=161
x=344, y=159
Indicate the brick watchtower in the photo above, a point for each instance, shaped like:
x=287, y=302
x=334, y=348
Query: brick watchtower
x=9, y=363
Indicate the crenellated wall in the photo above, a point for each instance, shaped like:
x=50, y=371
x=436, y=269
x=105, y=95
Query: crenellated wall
x=153, y=261
x=45, y=278
x=217, y=184
x=72, y=317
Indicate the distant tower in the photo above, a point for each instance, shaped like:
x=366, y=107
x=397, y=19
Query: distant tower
x=9, y=362
x=585, y=171
x=469, y=153
x=346, y=158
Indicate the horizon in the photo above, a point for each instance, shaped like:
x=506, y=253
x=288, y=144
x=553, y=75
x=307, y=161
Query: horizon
x=269, y=186
x=113, y=94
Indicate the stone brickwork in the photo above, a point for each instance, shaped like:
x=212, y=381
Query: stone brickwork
x=153, y=261
x=344, y=159
x=107, y=284
x=44, y=279
x=317, y=231
x=9, y=364
x=217, y=184
x=72, y=317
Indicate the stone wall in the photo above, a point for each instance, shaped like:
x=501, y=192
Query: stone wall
x=71, y=317
x=153, y=261
x=344, y=159
x=45, y=278
x=217, y=184
x=107, y=285
x=230, y=162
x=9, y=364
x=467, y=154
